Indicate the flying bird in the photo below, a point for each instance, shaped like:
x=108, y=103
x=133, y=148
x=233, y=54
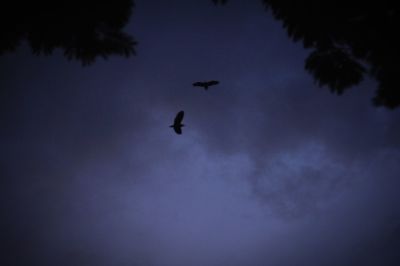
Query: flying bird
x=177, y=126
x=205, y=84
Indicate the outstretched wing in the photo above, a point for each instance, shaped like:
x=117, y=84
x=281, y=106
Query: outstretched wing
x=212, y=82
x=178, y=130
x=199, y=84
x=179, y=118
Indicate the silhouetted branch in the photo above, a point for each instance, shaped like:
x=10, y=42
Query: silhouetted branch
x=83, y=29
x=345, y=36
x=222, y=2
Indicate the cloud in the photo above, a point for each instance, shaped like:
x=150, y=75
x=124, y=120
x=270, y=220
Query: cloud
x=269, y=169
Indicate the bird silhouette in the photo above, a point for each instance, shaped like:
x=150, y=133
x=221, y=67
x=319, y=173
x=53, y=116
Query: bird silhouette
x=177, y=126
x=205, y=84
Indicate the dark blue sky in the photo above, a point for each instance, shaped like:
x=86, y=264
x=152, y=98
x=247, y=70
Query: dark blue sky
x=269, y=170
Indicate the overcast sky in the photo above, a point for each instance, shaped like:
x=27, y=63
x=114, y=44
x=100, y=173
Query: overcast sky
x=269, y=170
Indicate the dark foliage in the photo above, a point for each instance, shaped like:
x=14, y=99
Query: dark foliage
x=344, y=36
x=349, y=39
x=334, y=68
x=83, y=29
x=222, y=2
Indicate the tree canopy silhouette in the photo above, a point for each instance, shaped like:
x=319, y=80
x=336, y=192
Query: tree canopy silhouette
x=223, y=2
x=84, y=30
x=350, y=39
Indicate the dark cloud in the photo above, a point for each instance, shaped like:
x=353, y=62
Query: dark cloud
x=269, y=169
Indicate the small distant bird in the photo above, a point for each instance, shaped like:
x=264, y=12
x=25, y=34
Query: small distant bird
x=177, y=126
x=206, y=84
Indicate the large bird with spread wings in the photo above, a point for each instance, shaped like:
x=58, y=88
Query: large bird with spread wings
x=206, y=84
x=177, y=126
